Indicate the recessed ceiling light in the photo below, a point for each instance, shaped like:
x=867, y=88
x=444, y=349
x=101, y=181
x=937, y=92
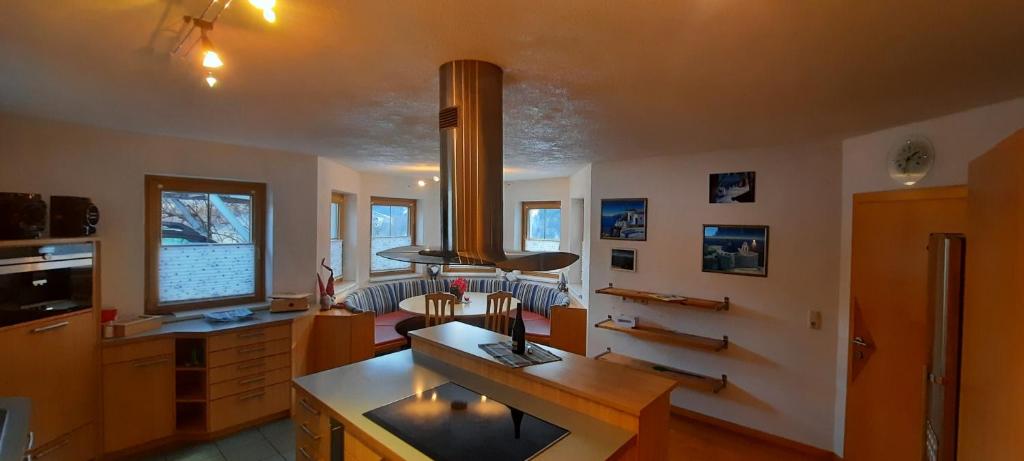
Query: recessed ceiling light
x=437, y=179
x=211, y=80
x=421, y=183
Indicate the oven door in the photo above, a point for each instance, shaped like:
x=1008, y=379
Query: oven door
x=40, y=282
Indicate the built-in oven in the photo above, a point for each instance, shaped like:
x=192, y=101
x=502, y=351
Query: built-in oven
x=39, y=281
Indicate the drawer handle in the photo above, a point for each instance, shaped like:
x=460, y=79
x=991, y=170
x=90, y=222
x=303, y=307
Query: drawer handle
x=252, y=349
x=252, y=380
x=251, y=335
x=304, y=453
x=51, y=327
x=251, y=366
x=308, y=407
x=252, y=396
x=308, y=432
x=64, y=442
x=150, y=363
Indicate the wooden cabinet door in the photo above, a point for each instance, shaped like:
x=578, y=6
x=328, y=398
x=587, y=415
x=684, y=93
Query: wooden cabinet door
x=54, y=362
x=889, y=332
x=138, y=401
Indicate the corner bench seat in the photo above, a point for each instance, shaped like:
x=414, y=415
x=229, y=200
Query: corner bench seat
x=382, y=299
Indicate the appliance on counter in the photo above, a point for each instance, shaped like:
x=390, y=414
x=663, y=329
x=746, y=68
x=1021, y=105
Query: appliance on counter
x=454, y=423
x=39, y=281
x=22, y=216
x=72, y=216
x=945, y=313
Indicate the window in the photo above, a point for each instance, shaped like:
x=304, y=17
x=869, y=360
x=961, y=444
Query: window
x=337, y=232
x=393, y=224
x=204, y=243
x=542, y=226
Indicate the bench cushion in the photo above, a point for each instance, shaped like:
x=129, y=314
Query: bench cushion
x=384, y=333
x=536, y=324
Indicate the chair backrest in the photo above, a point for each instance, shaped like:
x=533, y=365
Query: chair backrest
x=440, y=308
x=496, y=318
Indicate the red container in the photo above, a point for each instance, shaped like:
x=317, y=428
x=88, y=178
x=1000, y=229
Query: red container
x=108, y=315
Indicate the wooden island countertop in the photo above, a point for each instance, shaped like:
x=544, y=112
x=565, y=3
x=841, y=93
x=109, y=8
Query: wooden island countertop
x=611, y=411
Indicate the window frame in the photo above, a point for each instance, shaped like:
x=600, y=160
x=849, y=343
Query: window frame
x=338, y=199
x=389, y=201
x=524, y=229
x=154, y=186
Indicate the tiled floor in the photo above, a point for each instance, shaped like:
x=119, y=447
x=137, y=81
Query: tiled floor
x=273, y=441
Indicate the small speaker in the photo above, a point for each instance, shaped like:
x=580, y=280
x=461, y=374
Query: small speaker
x=22, y=216
x=72, y=216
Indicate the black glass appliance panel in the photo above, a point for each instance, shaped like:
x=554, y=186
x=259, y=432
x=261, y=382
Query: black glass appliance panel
x=43, y=281
x=452, y=423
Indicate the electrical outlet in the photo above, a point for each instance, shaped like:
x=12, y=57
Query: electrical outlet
x=814, y=320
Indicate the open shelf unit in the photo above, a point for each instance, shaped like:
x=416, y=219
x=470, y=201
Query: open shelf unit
x=648, y=296
x=190, y=384
x=681, y=377
x=667, y=336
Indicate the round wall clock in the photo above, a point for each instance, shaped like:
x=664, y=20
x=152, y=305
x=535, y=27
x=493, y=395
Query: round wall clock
x=910, y=160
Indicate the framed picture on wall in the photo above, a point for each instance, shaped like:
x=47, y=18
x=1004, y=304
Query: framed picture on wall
x=624, y=219
x=624, y=259
x=732, y=187
x=736, y=249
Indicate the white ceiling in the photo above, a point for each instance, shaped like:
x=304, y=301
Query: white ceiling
x=586, y=79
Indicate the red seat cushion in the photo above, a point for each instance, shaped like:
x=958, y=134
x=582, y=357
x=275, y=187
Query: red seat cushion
x=384, y=333
x=536, y=324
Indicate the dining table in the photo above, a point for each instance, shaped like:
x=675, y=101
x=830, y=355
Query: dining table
x=473, y=304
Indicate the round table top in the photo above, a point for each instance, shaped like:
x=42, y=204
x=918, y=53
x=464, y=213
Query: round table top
x=476, y=307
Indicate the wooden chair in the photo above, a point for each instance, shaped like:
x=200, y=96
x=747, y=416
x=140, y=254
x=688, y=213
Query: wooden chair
x=499, y=306
x=440, y=308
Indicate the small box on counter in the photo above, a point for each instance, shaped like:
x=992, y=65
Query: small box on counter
x=133, y=326
x=288, y=302
x=626, y=321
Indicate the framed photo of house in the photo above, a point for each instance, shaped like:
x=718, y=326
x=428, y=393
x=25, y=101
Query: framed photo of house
x=624, y=259
x=736, y=250
x=624, y=219
x=732, y=187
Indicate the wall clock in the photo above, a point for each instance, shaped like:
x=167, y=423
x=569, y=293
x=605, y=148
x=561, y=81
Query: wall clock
x=910, y=160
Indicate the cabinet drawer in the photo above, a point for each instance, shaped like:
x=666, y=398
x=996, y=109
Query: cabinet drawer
x=74, y=446
x=247, y=383
x=248, y=336
x=249, y=352
x=357, y=451
x=312, y=429
x=137, y=350
x=248, y=406
x=249, y=367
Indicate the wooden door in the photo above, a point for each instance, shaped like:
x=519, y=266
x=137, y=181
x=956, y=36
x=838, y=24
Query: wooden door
x=138, y=401
x=889, y=330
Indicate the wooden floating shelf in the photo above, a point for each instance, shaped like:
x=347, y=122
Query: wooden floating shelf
x=668, y=336
x=681, y=377
x=647, y=296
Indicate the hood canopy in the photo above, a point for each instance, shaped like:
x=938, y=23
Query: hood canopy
x=470, y=122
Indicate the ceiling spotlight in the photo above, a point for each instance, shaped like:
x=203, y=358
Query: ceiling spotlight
x=211, y=80
x=269, y=15
x=421, y=183
x=437, y=179
x=211, y=60
x=268, y=9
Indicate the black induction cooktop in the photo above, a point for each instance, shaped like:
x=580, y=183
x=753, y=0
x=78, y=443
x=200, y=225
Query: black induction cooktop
x=451, y=423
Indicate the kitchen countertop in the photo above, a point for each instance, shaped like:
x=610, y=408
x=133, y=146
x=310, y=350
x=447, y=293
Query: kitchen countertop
x=348, y=392
x=201, y=326
x=14, y=432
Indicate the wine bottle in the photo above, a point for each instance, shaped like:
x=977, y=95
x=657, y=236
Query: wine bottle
x=519, y=332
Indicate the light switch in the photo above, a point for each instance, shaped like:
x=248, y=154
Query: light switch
x=814, y=320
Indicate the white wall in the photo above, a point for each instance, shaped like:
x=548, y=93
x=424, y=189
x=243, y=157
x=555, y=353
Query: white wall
x=580, y=188
x=781, y=373
x=57, y=158
x=958, y=138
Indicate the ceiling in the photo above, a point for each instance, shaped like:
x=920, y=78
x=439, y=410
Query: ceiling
x=586, y=80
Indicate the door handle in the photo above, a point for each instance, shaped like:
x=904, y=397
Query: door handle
x=858, y=341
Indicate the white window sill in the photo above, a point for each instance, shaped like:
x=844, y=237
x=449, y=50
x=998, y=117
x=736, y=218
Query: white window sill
x=392, y=278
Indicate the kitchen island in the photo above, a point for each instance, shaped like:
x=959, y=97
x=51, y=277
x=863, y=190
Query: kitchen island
x=609, y=411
